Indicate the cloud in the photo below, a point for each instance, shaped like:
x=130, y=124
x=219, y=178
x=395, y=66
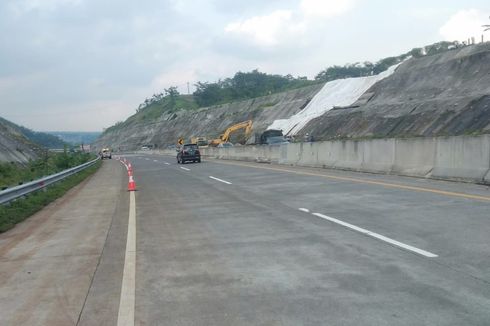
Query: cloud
x=46, y=5
x=322, y=8
x=463, y=25
x=265, y=29
x=287, y=25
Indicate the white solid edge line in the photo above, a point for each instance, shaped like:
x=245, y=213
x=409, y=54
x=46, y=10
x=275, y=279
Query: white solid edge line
x=377, y=236
x=183, y=168
x=306, y=210
x=220, y=180
x=166, y=163
x=126, y=304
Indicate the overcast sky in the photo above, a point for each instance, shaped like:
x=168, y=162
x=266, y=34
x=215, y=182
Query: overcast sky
x=82, y=65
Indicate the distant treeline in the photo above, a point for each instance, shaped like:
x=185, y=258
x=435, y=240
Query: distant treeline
x=368, y=68
x=245, y=85
x=42, y=138
x=75, y=137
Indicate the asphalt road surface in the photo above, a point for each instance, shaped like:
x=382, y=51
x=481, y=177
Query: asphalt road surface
x=235, y=243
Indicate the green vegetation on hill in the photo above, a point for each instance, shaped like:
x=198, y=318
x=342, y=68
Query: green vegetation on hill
x=19, y=210
x=152, y=108
x=12, y=174
x=368, y=68
x=241, y=87
x=245, y=85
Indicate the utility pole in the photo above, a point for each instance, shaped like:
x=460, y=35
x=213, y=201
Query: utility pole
x=486, y=27
x=188, y=89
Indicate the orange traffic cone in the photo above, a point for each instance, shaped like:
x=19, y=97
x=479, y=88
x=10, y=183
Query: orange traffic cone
x=131, y=184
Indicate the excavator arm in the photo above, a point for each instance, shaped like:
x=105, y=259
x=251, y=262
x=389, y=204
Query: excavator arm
x=247, y=125
x=225, y=137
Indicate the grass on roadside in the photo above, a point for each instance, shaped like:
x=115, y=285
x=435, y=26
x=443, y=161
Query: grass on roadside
x=17, y=211
x=12, y=174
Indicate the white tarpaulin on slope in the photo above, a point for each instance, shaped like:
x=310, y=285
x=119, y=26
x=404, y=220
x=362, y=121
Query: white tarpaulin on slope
x=340, y=92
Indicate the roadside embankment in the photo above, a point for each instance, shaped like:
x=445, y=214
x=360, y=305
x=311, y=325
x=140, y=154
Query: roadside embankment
x=19, y=210
x=464, y=158
x=53, y=263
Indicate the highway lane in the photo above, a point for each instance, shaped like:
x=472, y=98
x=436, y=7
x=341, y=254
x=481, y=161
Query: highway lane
x=235, y=243
x=453, y=226
x=242, y=252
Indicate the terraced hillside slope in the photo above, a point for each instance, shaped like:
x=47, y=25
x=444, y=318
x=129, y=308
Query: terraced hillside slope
x=14, y=146
x=433, y=95
x=443, y=94
x=209, y=122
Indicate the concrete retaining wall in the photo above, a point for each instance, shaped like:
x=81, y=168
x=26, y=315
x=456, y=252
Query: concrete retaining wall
x=245, y=153
x=455, y=158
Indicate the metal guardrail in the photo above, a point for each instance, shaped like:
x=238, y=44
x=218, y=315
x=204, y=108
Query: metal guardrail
x=10, y=194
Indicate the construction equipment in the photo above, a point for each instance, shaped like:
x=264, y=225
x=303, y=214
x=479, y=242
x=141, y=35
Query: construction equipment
x=225, y=137
x=200, y=141
x=271, y=133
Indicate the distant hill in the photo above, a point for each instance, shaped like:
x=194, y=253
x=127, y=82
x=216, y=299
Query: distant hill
x=40, y=138
x=14, y=145
x=76, y=137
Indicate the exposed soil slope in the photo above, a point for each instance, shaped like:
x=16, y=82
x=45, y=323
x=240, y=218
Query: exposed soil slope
x=441, y=94
x=444, y=94
x=209, y=122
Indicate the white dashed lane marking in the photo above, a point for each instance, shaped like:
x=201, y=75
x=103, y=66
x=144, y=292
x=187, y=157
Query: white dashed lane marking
x=220, y=180
x=376, y=235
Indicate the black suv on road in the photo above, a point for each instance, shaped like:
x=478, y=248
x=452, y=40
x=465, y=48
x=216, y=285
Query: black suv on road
x=188, y=152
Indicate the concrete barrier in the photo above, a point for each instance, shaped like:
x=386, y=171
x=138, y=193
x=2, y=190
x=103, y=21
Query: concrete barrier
x=462, y=158
x=414, y=156
x=378, y=155
x=456, y=158
x=268, y=154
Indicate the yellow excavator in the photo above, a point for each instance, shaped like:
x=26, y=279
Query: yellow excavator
x=225, y=137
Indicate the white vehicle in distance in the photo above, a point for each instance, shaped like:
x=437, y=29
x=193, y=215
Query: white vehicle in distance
x=145, y=148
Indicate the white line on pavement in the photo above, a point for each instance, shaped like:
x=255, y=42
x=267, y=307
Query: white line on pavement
x=126, y=304
x=306, y=210
x=155, y=161
x=220, y=180
x=183, y=168
x=147, y=159
x=166, y=163
x=377, y=236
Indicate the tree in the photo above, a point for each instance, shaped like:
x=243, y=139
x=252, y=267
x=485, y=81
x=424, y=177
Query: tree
x=173, y=94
